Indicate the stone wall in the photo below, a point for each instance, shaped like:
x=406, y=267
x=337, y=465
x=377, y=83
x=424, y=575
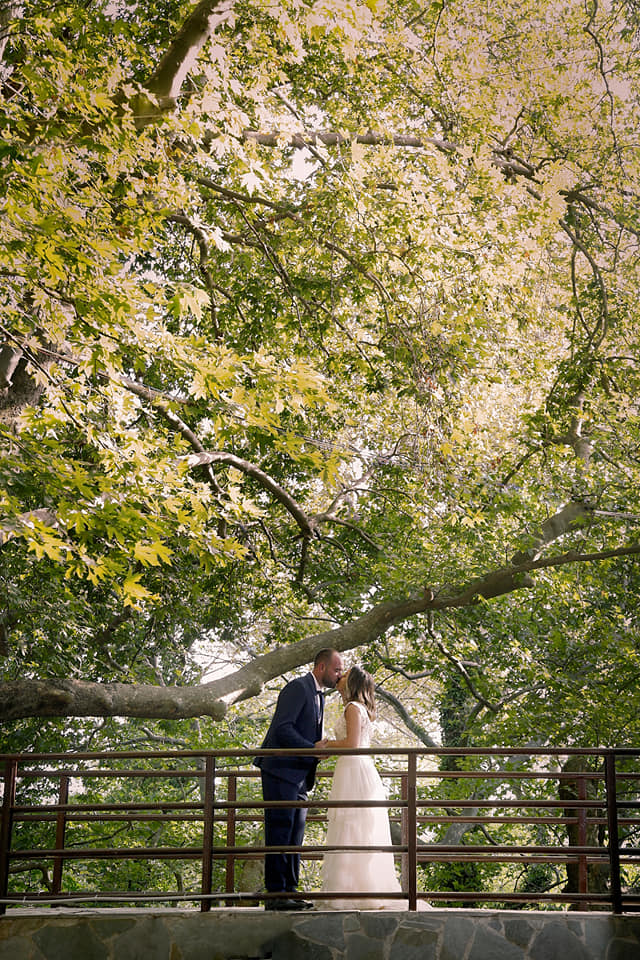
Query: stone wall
x=240, y=934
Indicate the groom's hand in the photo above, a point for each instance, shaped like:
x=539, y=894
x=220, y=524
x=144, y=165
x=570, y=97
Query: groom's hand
x=321, y=744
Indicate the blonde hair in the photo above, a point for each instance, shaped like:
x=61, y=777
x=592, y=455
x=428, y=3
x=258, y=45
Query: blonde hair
x=360, y=688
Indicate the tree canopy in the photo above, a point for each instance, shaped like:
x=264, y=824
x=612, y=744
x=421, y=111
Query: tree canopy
x=320, y=327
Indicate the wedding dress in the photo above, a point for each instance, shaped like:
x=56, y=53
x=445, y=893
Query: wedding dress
x=356, y=778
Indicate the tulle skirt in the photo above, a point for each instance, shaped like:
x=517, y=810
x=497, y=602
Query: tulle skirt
x=356, y=778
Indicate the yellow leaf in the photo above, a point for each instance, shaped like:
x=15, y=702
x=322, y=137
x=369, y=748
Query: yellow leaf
x=152, y=554
x=134, y=591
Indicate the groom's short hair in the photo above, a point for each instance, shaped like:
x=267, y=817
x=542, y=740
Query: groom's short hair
x=324, y=655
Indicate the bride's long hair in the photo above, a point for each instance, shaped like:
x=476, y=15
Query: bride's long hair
x=360, y=687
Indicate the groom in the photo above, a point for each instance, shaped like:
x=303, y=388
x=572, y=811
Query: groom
x=297, y=722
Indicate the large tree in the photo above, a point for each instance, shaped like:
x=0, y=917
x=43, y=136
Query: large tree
x=320, y=326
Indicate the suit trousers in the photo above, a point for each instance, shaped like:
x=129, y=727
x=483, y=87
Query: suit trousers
x=283, y=826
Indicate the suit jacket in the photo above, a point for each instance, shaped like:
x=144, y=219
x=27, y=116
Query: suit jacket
x=297, y=722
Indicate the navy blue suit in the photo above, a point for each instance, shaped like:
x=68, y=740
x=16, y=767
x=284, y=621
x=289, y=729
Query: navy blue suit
x=297, y=722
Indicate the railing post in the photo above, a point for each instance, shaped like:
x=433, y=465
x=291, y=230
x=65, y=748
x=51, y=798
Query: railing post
x=8, y=803
x=61, y=825
x=612, y=821
x=582, y=837
x=404, y=832
x=230, y=875
x=412, y=829
x=207, y=831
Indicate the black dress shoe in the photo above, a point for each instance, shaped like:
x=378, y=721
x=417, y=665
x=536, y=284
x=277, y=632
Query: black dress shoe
x=284, y=903
x=303, y=905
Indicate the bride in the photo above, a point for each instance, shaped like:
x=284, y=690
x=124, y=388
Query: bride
x=356, y=778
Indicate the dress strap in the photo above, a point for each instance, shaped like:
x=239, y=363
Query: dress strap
x=361, y=707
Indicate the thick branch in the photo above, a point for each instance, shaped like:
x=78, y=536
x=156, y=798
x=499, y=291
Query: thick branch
x=569, y=518
x=10, y=357
x=56, y=698
x=77, y=698
x=329, y=138
x=508, y=579
x=184, y=50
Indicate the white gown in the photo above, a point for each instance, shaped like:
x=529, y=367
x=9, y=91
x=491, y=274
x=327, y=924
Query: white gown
x=356, y=778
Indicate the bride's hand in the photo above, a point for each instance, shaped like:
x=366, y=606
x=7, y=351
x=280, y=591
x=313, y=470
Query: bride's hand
x=321, y=744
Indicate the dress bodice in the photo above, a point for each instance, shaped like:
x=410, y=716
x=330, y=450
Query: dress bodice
x=365, y=728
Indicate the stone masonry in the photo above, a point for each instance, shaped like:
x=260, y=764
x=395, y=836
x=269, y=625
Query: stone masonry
x=252, y=934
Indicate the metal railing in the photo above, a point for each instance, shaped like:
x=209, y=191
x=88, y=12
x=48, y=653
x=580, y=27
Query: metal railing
x=570, y=813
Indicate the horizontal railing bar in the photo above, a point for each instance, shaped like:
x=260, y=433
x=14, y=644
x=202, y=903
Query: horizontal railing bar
x=431, y=858
x=562, y=821
x=70, y=807
x=110, y=853
x=87, y=817
x=590, y=821
x=95, y=772
x=222, y=804
x=451, y=803
x=434, y=856
x=389, y=751
x=493, y=804
x=151, y=853
x=178, y=853
x=195, y=773
x=118, y=817
x=504, y=858
x=395, y=773
x=138, y=896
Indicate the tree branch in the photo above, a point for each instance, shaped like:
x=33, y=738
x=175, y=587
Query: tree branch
x=464, y=673
x=329, y=138
x=503, y=159
x=203, y=248
x=166, y=83
x=406, y=718
x=251, y=470
x=79, y=698
x=572, y=516
x=57, y=698
x=508, y=579
x=10, y=357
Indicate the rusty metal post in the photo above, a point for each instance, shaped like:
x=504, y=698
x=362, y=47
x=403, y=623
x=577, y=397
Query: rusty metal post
x=61, y=826
x=404, y=832
x=8, y=803
x=207, y=831
x=412, y=829
x=230, y=875
x=583, y=882
x=612, y=821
